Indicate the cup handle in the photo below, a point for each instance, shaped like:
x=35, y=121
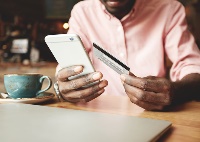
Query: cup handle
x=48, y=87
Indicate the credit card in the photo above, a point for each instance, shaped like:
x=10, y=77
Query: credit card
x=110, y=60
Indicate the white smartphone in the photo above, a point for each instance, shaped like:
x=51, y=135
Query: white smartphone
x=68, y=50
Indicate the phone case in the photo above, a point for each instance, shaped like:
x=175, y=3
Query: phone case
x=68, y=50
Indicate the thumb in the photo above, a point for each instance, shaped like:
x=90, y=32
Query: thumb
x=131, y=74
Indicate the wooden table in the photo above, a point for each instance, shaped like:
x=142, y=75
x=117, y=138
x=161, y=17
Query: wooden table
x=185, y=118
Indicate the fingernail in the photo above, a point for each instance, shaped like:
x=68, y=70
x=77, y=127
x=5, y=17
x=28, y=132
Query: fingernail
x=78, y=69
x=96, y=76
x=103, y=84
x=123, y=78
x=101, y=91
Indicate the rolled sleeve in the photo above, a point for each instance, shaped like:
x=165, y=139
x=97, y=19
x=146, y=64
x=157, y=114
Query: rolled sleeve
x=76, y=27
x=180, y=45
x=188, y=70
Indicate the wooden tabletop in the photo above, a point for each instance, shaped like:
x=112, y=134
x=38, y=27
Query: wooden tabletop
x=185, y=118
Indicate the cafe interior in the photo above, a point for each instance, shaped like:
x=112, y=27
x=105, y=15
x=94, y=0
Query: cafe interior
x=26, y=23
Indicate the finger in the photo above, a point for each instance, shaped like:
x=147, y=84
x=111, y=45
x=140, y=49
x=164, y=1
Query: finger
x=145, y=105
x=84, y=93
x=64, y=73
x=87, y=99
x=131, y=74
x=93, y=96
x=150, y=77
x=72, y=100
x=149, y=84
x=146, y=96
x=79, y=82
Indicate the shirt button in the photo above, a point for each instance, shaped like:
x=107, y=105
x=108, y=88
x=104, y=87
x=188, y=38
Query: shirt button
x=121, y=55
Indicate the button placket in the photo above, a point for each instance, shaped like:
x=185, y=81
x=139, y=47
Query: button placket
x=121, y=43
x=120, y=49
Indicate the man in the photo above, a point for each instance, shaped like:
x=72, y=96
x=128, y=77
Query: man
x=141, y=33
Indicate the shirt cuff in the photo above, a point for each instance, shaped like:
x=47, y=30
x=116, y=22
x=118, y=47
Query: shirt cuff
x=188, y=70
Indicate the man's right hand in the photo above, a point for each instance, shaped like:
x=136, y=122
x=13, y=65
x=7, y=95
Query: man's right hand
x=73, y=90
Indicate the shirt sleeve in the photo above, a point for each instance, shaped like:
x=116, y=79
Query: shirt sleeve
x=76, y=27
x=180, y=45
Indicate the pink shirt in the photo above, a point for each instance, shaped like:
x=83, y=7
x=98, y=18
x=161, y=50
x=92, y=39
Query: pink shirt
x=142, y=39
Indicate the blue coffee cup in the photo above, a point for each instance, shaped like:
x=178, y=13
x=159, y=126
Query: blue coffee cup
x=27, y=85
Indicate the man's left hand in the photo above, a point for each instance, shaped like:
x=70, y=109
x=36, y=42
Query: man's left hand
x=150, y=93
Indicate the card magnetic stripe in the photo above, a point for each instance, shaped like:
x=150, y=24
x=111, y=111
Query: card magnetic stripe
x=114, y=63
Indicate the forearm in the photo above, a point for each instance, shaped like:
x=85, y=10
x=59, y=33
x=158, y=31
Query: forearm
x=187, y=88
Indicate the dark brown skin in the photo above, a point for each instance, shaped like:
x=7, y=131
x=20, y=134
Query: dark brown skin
x=73, y=91
x=155, y=93
x=150, y=93
x=118, y=8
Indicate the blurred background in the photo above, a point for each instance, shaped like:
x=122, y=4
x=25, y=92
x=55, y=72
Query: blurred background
x=25, y=23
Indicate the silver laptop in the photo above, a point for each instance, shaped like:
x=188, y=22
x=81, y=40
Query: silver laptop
x=33, y=123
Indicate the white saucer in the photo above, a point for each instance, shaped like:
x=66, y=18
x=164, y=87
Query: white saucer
x=45, y=96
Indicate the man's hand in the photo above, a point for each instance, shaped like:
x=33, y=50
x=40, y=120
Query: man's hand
x=150, y=93
x=73, y=90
